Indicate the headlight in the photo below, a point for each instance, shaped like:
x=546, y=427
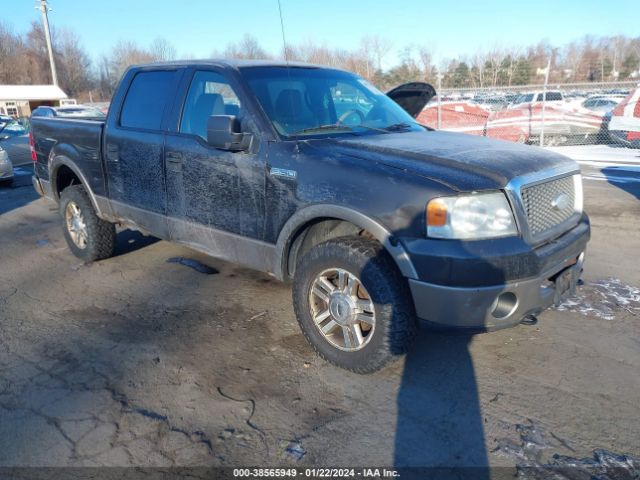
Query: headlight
x=473, y=216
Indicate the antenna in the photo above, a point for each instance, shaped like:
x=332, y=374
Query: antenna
x=286, y=59
x=284, y=40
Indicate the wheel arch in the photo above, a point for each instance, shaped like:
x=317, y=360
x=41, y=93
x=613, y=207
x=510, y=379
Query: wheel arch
x=337, y=219
x=64, y=169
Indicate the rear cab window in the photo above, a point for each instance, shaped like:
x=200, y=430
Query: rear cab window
x=146, y=99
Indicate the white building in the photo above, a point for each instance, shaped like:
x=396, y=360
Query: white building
x=21, y=100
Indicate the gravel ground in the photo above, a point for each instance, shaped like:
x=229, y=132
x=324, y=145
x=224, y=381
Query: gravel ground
x=161, y=356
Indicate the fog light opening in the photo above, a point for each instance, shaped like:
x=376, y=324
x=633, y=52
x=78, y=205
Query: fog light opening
x=504, y=305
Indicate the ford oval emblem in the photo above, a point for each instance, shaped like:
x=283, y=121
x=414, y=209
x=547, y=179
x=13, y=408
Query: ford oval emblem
x=561, y=202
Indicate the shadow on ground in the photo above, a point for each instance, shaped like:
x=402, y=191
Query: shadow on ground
x=19, y=192
x=439, y=418
x=128, y=241
x=626, y=178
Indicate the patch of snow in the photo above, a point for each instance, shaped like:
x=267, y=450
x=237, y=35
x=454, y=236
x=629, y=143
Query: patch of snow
x=603, y=299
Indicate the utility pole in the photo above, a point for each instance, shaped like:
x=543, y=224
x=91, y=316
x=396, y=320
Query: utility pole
x=47, y=35
x=439, y=97
x=544, y=100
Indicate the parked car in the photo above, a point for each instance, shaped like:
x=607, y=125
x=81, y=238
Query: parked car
x=14, y=138
x=624, y=125
x=600, y=104
x=375, y=219
x=494, y=103
x=102, y=106
x=525, y=120
x=551, y=97
x=68, y=111
x=6, y=168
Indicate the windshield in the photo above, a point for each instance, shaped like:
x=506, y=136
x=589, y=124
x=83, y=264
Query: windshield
x=312, y=101
x=13, y=128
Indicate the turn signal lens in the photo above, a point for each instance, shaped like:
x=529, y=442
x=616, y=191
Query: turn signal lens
x=436, y=213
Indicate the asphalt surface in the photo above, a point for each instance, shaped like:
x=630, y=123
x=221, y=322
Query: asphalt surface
x=161, y=356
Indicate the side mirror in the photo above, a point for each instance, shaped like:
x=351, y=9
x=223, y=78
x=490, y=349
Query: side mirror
x=4, y=137
x=223, y=132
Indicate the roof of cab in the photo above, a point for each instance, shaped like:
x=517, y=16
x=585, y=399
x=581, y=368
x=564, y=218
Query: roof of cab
x=233, y=63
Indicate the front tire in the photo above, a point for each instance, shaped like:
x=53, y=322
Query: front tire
x=353, y=305
x=89, y=237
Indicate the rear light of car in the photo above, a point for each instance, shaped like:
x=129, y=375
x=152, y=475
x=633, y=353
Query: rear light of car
x=619, y=110
x=633, y=136
x=32, y=147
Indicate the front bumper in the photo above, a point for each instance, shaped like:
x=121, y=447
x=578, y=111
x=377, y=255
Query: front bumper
x=480, y=303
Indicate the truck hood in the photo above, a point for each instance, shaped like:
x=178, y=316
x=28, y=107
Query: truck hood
x=462, y=162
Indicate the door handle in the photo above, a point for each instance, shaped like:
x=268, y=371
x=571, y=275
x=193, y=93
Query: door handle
x=174, y=157
x=112, y=152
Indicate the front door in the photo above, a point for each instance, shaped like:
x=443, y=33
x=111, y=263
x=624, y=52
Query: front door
x=215, y=198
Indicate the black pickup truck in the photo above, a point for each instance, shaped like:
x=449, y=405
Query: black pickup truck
x=313, y=175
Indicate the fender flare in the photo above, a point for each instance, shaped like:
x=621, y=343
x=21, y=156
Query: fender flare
x=57, y=161
x=307, y=214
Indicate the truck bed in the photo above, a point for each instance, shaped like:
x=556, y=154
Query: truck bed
x=80, y=140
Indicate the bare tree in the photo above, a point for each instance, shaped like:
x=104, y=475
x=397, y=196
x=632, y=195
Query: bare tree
x=161, y=50
x=379, y=46
x=425, y=57
x=12, y=62
x=247, y=48
x=74, y=65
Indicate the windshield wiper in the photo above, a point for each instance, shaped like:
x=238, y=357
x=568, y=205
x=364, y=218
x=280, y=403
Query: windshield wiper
x=338, y=126
x=397, y=127
x=320, y=128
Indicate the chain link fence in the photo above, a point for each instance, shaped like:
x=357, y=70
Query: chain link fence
x=558, y=114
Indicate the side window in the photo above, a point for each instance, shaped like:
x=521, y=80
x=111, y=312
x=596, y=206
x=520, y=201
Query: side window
x=145, y=101
x=209, y=94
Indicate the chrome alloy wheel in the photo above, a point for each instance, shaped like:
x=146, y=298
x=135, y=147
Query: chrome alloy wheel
x=76, y=226
x=342, y=309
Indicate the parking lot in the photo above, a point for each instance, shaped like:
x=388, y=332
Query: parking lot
x=161, y=356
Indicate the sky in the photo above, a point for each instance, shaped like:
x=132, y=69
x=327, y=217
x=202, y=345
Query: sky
x=449, y=28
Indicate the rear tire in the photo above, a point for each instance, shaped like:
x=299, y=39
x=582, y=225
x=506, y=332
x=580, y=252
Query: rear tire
x=89, y=237
x=353, y=305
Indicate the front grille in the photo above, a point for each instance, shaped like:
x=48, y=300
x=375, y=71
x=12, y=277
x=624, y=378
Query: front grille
x=545, y=205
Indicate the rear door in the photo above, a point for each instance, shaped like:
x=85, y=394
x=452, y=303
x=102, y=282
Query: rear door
x=134, y=149
x=412, y=96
